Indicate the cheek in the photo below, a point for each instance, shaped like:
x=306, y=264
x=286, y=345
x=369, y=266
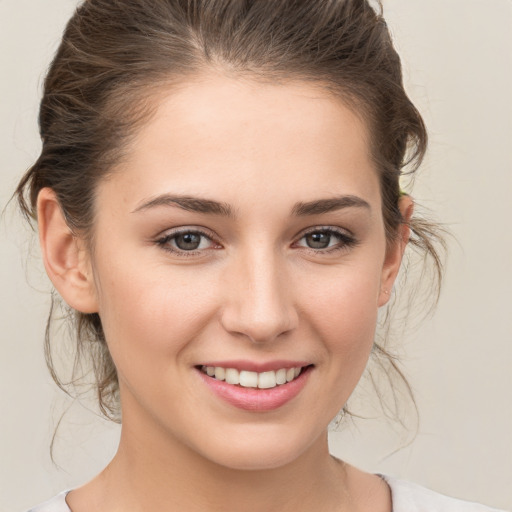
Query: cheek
x=150, y=312
x=344, y=314
x=343, y=317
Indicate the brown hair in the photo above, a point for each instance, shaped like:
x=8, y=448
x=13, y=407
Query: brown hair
x=115, y=54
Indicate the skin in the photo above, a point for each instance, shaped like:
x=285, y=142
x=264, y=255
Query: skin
x=253, y=290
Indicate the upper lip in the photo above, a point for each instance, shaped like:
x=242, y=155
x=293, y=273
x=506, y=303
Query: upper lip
x=254, y=366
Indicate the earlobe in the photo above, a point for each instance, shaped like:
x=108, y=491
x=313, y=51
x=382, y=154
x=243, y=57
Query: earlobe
x=395, y=251
x=64, y=255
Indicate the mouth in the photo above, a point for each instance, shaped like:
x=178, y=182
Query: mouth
x=251, y=379
x=251, y=390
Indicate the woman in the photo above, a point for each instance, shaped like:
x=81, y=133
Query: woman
x=218, y=200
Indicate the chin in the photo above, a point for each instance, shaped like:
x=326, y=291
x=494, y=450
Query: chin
x=257, y=451
x=259, y=461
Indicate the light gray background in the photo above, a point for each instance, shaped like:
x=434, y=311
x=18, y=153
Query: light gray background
x=458, y=68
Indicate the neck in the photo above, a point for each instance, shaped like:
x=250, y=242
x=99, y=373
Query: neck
x=183, y=480
x=153, y=470
x=151, y=473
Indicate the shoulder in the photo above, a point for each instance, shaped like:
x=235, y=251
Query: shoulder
x=57, y=504
x=410, y=497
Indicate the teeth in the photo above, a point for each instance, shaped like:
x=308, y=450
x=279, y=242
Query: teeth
x=267, y=380
x=281, y=376
x=232, y=376
x=220, y=373
x=246, y=379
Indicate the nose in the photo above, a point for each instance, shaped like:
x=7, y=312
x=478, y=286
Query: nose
x=259, y=297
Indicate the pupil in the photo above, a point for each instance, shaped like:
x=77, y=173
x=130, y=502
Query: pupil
x=318, y=240
x=188, y=241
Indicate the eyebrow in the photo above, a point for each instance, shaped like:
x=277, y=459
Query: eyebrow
x=208, y=206
x=189, y=203
x=329, y=205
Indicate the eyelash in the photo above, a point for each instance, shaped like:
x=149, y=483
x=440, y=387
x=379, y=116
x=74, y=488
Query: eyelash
x=346, y=241
x=163, y=242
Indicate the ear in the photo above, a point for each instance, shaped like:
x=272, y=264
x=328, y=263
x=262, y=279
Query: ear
x=64, y=255
x=395, y=250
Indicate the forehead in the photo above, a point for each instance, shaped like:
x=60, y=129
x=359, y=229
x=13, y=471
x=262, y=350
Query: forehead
x=231, y=136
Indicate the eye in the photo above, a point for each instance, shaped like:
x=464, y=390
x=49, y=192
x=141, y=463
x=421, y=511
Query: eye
x=318, y=240
x=186, y=242
x=326, y=240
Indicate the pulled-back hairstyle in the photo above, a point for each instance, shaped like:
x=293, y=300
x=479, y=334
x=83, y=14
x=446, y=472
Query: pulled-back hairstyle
x=116, y=55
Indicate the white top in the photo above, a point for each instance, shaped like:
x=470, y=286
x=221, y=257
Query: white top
x=410, y=497
x=406, y=496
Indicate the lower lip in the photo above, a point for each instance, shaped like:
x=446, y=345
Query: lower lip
x=255, y=399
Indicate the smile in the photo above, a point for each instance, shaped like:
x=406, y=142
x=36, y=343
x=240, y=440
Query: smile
x=252, y=390
x=248, y=379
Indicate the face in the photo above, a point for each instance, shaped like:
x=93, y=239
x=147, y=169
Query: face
x=241, y=240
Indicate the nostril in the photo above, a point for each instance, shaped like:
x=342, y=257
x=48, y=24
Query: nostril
x=262, y=329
